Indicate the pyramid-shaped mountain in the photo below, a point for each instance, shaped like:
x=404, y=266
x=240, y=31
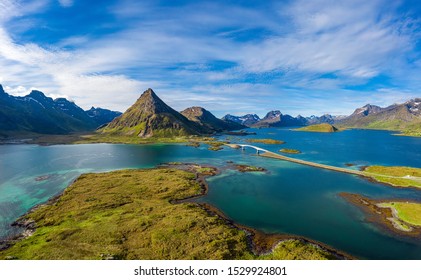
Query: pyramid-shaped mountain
x=206, y=119
x=149, y=116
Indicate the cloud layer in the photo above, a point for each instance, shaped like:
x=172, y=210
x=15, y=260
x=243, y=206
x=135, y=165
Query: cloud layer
x=303, y=57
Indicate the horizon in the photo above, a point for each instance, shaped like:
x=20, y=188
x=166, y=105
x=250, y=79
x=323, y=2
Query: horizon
x=237, y=115
x=297, y=57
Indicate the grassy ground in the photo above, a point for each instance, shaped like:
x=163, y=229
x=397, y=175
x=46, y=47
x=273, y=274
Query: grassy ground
x=249, y=168
x=265, y=141
x=124, y=139
x=215, y=145
x=290, y=151
x=395, y=175
x=412, y=133
x=323, y=127
x=296, y=250
x=408, y=212
x=128, y=215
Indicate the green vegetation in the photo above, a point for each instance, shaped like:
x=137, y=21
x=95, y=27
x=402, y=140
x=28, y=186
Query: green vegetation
x=297, y=250
x=135, y=131
x=249, y=168
x=323, y=127
x=215, y=145
x=413, y=130
x=411, y=133
x=290, y=151
x=129, y=215
x=399, y=119
x=265, y=141
x=399, y=217
x=408, y=212
x=125, y=139
x=395, y=175
x=387, y=125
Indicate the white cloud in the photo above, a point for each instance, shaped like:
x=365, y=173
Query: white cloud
x=347, y=38
x=16, y=8
x=7, y=10
x=352, y=40
x=66, y=3
x=18, y=91
x=57, y=73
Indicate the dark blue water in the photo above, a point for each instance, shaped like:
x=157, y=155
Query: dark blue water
x=291, y=198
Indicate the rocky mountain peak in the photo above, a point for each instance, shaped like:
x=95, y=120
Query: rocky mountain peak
x=246, y=120
x=273, y=114
x=150, y=103
x=414, y=106
x=195, y=110
x=252, y=117
x=149, y=116
x=2, y=90
x=208, y=120
x=367, y=109
x=39, y=96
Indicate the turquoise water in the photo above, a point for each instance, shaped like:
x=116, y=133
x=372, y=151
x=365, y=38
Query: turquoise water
x=290, y=199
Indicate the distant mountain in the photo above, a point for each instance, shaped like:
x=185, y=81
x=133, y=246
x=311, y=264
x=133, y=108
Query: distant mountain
x=406, y=116
x=102, y=116
x=149, y=116
x=326, y=118
x=246, y=120
x=366, y=110
x=209, y=121
x=277, y=119
x=40, y=114
x=36, y=113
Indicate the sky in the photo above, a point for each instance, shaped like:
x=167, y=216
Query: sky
x=297, y=56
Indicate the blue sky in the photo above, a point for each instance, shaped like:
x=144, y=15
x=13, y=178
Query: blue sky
x=298, y=56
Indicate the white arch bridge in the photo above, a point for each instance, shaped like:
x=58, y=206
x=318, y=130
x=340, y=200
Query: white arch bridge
x=269, y=154
x=244, y=146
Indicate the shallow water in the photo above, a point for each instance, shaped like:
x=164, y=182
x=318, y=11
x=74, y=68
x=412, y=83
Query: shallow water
x=291, y=198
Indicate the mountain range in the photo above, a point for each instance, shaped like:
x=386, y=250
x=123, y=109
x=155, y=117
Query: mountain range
x=277, y=119
x=149, y=116
x=36, y=113
x=402, y=117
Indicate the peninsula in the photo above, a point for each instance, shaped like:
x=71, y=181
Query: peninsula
x=401, y=217
x=141, y=214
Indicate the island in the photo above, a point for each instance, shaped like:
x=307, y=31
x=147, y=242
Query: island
x=248, y=168
x=323, y=127
x=290, y=151
x=146, y=214
x=397, y=216
x=215, y=145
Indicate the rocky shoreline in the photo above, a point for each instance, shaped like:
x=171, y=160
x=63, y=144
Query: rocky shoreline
x=260, y=243
x=382, y=216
